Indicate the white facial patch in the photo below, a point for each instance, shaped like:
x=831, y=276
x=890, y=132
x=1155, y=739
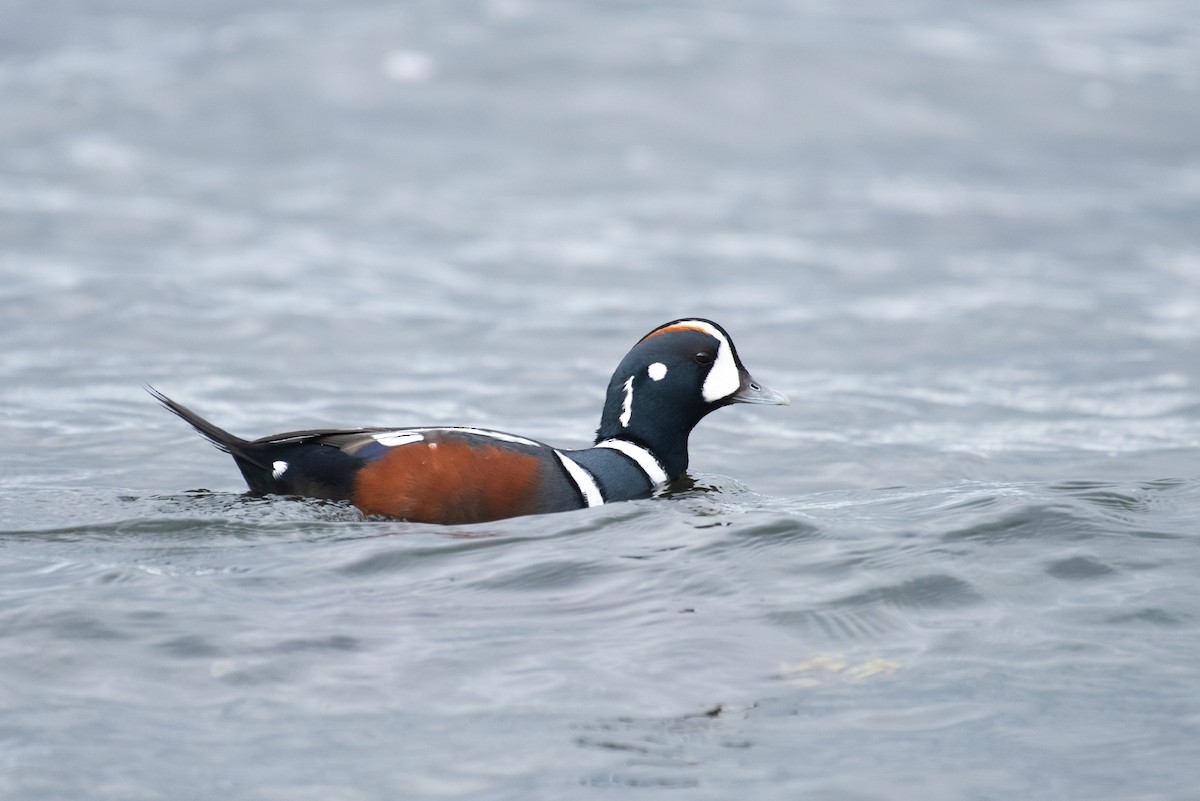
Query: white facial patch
x=627, y=406
x=278, y=469
x=656, y=371
x=723, y=379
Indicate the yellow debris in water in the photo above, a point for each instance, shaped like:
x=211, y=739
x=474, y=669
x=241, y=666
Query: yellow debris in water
x=819, y=668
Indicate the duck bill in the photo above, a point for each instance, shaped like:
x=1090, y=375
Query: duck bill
x=753, y=392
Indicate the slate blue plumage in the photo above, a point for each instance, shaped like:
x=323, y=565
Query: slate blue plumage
x=673, y=377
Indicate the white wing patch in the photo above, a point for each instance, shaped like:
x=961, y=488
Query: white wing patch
x=278, y=469
x=656, y=371
x=483, y=432
x=406, y=436
x=627, y=406
x=391, y=439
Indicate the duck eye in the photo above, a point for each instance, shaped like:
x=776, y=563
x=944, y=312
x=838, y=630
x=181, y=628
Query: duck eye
x=703, y=357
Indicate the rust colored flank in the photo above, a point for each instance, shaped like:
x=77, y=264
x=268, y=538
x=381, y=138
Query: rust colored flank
x=446, y=480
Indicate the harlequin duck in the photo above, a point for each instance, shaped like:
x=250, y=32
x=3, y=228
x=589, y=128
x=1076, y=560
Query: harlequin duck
x=673, y=377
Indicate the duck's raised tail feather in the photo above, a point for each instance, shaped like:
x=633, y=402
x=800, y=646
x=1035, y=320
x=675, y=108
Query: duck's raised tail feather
x=240, y=449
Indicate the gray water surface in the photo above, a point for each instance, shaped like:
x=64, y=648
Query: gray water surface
x=965, y=241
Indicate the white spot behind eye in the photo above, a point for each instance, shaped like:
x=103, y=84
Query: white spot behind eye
x=656, y=371
x=278, y=469
x=627, y=407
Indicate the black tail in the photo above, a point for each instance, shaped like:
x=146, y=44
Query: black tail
x=243, y=451
x=297, y=463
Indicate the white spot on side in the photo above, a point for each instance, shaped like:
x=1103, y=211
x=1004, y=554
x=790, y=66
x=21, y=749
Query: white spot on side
x=583, y=479
x=656, y=371
x=627, y=406
x=278, y=469
x=644, y=458
x=391, y=439
x=433, y=446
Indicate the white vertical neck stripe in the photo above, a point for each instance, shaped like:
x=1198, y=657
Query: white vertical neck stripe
x=644, y=459
x=627, y=406
x=587, y=485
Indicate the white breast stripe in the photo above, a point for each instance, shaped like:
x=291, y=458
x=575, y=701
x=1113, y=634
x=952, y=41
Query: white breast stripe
x=644, y=458
x=583, y=479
